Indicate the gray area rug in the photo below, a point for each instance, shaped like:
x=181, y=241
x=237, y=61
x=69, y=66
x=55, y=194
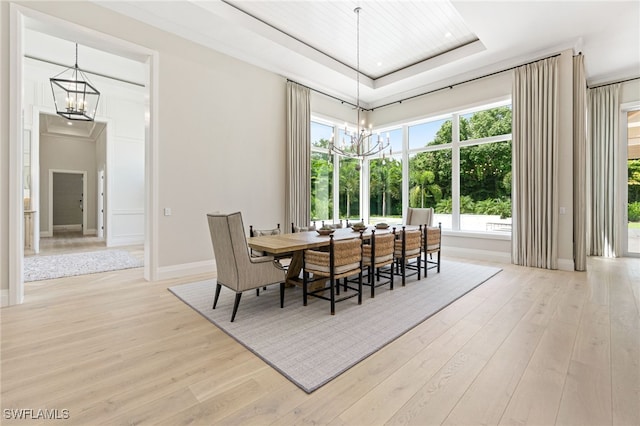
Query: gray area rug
x=311, y=347
x=48, y=267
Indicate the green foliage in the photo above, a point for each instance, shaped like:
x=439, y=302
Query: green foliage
x=494, y=206
x=445, y=206
x=633, y=170
x=385, y=192
x=634, y=212
x=349, y=187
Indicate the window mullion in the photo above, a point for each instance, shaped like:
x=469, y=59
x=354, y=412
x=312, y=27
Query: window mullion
x=455, y=172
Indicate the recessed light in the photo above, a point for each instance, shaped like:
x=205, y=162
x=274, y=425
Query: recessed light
x=69, y=123
x=448, y=35
x=379, y=64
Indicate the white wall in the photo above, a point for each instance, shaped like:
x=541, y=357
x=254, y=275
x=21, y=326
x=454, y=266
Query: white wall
x=4, y=152
x=221, y=141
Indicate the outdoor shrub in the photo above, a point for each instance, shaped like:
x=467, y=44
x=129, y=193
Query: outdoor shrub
x=634, y=212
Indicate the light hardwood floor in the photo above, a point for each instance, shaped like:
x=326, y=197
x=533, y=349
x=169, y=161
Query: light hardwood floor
x=530, y=346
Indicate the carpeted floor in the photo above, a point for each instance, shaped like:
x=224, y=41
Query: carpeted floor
x=311, y=347
x=48, y=267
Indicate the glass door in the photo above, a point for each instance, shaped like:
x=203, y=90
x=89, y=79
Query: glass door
x=633, y=183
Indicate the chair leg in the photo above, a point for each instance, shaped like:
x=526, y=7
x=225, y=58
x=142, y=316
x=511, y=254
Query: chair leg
x=257, y=292
x=305, y=279
x=333, y=295
x=438, y=262
x=391, y=279
x=371, y=283
x=235, y=306
x=360, y=287
x=215, y=299
x=282, y=295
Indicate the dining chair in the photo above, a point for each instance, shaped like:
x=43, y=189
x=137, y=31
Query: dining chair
x=295, y=228
x=433, y=244
x=408, y=246
x=376, y=255
x=419, y=216
x=235, y=268
x=344, y=259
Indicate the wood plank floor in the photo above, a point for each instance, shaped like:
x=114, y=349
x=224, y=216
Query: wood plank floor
x=530, y=346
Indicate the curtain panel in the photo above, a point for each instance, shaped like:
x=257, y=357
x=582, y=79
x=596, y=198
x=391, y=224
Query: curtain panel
x=535, y=165
x=298, y=189
x=579, y=164
x=604, y=105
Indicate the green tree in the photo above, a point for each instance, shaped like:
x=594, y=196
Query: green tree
x=425, y=187
x=349, y=183
x=385, y=182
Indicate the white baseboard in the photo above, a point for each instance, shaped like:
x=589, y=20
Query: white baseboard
x=90, y=232
x=77, y=227
x=46, y=234
x=476, y=254
x=194, y=268
x=4, y=297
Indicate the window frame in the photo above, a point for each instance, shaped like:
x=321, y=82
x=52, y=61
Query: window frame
x=455, y=145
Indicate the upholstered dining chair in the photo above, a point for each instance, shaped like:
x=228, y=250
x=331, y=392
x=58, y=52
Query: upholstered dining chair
x=419, y=216
x=295, y=228
x=376, y=255
x=344, y=259
x=236, y=269
x=433, y=244
x=408, y=246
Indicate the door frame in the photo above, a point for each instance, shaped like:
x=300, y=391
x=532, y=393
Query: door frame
x=83, y=173
x=19, y=15
x=622, y=174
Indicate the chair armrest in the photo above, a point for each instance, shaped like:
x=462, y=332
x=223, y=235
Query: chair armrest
x=262, y=259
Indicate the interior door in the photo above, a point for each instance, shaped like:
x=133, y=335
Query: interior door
x=68, y=199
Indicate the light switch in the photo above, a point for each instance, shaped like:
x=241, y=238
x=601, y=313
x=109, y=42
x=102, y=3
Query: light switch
x=167, y=211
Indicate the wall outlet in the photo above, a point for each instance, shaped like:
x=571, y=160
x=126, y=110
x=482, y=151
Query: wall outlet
x=167, y=211
x=563, y=210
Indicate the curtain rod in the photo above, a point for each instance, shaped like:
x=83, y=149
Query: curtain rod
x=451, y=86
x=83, y=70
x=613, y=82
x=325, y=94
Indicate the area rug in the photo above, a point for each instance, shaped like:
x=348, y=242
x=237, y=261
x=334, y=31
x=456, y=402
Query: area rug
x=311, y=347
x=48, y=267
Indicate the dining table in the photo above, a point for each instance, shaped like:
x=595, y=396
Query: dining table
x=296, y=243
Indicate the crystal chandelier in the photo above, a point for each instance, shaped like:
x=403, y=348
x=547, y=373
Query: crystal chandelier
x=74, y=96
x=360, y=143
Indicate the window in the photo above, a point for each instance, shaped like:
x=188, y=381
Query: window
x=458, y=164
x=321, y=172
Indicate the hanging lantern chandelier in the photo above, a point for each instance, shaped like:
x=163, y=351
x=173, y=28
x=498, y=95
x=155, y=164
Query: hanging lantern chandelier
x=359, y=144
x=74, y=96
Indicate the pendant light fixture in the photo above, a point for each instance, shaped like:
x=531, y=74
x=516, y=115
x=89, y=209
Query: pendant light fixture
x=74, y=96
x=359, y=143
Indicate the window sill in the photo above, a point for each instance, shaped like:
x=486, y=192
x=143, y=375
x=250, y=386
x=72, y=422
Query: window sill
x=505, y=236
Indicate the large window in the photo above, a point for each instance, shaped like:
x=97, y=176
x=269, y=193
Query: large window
x=458, y=164
x=321, y=172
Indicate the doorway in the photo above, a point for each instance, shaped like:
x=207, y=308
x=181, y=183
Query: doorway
x=67, y=201
x=633, y=182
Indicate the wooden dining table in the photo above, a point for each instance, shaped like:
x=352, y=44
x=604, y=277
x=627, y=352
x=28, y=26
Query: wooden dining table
x=296, y=243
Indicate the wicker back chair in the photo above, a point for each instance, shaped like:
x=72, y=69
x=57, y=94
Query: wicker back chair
x=237, y=270
x=375, y=256
x=343, y=260
x=433, y=244
x=408, y=246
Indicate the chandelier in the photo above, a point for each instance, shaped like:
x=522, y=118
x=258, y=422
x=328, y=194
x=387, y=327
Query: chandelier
x=360, y=143
x=74, y=96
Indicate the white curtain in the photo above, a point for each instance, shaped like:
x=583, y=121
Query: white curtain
x=604, y=104
x=579, y=164
x=298, y=192
x=535, y=165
